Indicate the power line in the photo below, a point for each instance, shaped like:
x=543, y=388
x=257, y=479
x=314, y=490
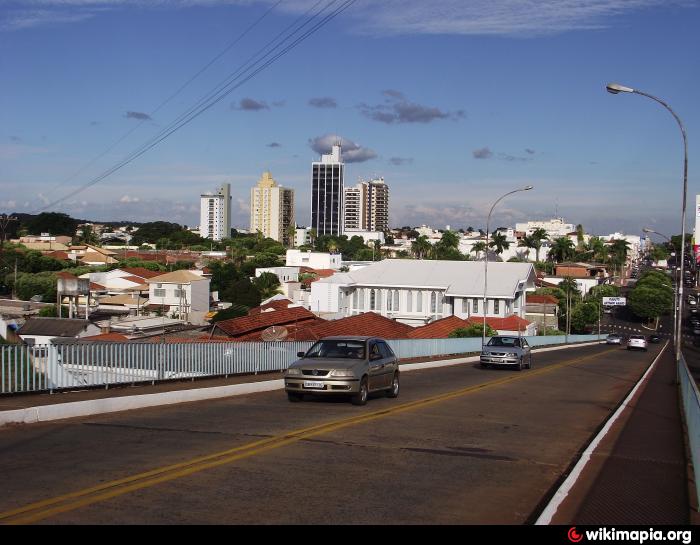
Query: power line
x=237, y=79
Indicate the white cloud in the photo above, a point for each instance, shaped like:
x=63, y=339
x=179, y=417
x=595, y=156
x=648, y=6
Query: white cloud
x=351, y=152
x=126, y=199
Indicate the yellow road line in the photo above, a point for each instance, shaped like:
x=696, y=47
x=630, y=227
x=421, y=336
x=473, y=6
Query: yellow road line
x=68, y=502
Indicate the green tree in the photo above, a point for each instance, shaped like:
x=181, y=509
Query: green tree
x=234, y=311
x=583, y=316
x=538, y=236
x=268, y=284
x=421, y=247
x=473, y=330
x=499, y=242
x=55, y=223
x=242, y=292
x=478, y=247
x=562, y=249
x=649, y=302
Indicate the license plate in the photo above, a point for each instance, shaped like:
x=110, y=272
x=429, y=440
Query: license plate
x=312, y=384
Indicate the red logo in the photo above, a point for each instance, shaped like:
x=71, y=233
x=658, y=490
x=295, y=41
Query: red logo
x=574, y=536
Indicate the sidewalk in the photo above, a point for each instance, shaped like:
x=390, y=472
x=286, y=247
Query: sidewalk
x=638, y=475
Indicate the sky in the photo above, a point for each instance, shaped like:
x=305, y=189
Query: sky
x=453, y=103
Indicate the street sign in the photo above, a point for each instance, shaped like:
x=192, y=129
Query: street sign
x=614, y=301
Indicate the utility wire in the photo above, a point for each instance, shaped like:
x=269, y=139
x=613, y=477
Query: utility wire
x=239, y=77
x=171, y=97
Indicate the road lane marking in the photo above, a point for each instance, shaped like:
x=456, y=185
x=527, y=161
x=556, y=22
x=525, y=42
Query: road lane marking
x=37, y=511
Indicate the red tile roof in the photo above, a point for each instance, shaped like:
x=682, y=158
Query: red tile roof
x=368, y=323
x=292, y=331
x=439, y=329
x=106, y=337
x=62, y=256
x=142, y=272
x=542, y=299
x=278, y=304
x=511, y=323
x=244, y=325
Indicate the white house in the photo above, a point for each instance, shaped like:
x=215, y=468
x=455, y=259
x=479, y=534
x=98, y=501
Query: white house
x=416, y=292
x=184, y=293
x=315, y=260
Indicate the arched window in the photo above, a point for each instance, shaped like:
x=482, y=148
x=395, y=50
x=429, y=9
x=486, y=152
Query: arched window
x=361, y=302
x=396, y=300
x=355, y=298
x=409, y=301
x=372, y=300
x=379, y=300
x=419, y=301
x=433, y=302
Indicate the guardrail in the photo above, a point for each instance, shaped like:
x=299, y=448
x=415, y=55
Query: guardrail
x=690, y=399
x=64, y=366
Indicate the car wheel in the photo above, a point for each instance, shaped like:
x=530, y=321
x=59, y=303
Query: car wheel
x=360, y=398
x=520, y=364
x=529, y=362
x=294, y=397
x=394, y=390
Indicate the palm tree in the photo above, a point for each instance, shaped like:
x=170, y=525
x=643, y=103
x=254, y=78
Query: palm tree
x=291, y=233
x=562, y=249
x=499, y=242
x=528, y=242
x=313, y=235
x=421, y=247
x=539, y=235
x=478, y=247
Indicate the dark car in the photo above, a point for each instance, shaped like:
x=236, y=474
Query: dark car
x=654, y=339
x=354, y=366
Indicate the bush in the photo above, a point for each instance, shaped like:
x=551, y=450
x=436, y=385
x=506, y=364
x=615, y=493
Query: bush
x=474, y=330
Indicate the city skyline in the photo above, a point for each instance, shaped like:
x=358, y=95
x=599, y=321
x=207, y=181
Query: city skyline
x=450, y=111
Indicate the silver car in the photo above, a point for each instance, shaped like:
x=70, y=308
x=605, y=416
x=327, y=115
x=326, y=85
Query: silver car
x=507, y=351
x=356, y=366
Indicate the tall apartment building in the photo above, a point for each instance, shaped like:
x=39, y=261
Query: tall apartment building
x=271, y=209
x=327, y=193
x=367, y=206
x=215, y=214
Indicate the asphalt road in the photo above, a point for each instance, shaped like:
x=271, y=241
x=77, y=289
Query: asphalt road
x=460, y=445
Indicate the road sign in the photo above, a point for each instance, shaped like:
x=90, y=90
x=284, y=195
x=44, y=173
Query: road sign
x=614, y=301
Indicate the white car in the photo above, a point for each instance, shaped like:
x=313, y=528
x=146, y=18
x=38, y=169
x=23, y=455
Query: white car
x=637, y=341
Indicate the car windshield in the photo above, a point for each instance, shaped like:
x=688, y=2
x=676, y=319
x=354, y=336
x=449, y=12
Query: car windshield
x=503, y=341
x=337, y=349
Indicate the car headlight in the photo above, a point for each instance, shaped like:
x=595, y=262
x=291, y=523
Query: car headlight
x=342, y=373
x=486, y=353
x=512, y=355
x=294, y=371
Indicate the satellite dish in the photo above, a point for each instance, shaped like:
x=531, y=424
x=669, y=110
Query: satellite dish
x=274, y=333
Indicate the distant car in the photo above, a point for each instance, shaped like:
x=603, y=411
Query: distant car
x=637, y=342
x=613, y=338
x=502, y=350
x=607, y=310
x=355, y=366
x=654, y=339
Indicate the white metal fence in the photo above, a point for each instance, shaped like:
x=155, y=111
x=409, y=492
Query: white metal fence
x=690, y=399
x=64, y=366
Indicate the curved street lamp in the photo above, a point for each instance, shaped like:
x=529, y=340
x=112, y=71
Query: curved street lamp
x=675, y=281
x=486, y=256
x=616, y=88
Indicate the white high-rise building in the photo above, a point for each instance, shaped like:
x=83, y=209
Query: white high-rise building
x=271, y=209
x=215, y=214
x=327, y=193
x=367, y=206
x=555, y=227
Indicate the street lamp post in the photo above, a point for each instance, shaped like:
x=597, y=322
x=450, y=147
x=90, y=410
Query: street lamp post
x=616, y=88
x=675, y=281
x=486, y=256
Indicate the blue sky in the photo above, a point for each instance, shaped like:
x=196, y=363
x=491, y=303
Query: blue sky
x=454, y=103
